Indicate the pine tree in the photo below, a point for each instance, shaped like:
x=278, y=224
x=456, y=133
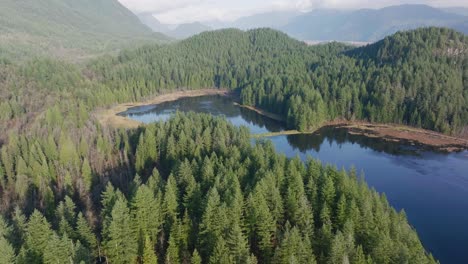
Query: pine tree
x=109, y=198
x=85, y=233
x=121, y=246
x=196, y=259
x=210, y=226
x=338, y=251
x=38, y=235
x=149, y=256
x=172, y=253
x=221, y=254
x=341, y=212
x=147, y=214
x=7, y=253
x=359, y=256
x=19, y=228
x=59, y=250
x=263, y=225
x=237, y=244
x=293, y=248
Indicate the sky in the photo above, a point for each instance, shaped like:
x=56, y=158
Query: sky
x=184, y=11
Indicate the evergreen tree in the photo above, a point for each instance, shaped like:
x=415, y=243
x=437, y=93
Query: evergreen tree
x=196, y=259
x=121, y=246
x=149, y=256
x=7, y=253
x=221, y=254
x=60, y=250
x=85, y=233
x=38, y=235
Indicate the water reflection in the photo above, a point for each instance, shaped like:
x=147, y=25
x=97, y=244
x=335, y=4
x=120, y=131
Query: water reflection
x=215, y=105
x=340, y=135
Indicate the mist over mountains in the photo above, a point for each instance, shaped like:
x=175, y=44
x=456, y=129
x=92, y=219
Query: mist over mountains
x=363, y=25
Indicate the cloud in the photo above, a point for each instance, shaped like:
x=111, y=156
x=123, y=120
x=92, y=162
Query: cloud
x=156, y=6
x=183, y=11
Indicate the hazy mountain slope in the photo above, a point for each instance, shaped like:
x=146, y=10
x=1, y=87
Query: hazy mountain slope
x=181, y=31
x=154, y=24
x=368, y=24
x=457, y=10
x=67, y=28
x=187, y=30
x=274, y=20
x=461, y=27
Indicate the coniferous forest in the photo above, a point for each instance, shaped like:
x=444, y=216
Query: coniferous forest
x=195, y=189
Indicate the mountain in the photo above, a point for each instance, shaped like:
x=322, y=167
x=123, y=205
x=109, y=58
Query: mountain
x=183, y=31
x=274, y=20
x=153, y=23
x=461, y=27
x=457, y=10
x=368, y=24
x=68, y=28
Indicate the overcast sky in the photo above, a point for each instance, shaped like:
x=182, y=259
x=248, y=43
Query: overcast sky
x=182, y=11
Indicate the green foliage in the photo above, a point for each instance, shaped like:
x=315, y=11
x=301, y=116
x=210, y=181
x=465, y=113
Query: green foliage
x=7, y=253
x=121, y=246
x=250, y=204
x=38, y=235
x=194, y=188
x=415, y=78
x=149, y=256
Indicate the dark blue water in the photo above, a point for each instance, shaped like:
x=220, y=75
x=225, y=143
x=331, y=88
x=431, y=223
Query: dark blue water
x=431, y=187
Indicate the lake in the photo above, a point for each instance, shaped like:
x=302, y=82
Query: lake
x=431, y=187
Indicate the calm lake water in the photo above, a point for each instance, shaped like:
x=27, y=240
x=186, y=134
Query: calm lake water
x=431, y=187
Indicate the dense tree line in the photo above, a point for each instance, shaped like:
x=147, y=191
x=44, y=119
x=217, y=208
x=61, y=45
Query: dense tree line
x=190, y=190
x=417, y=78
x=194, y=189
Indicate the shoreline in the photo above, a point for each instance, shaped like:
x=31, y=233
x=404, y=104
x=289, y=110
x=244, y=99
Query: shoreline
x=388, y=132
x=110, y=115
x=399, y=133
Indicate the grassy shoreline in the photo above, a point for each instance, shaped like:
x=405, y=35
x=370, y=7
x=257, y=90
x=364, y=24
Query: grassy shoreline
x=110, y=116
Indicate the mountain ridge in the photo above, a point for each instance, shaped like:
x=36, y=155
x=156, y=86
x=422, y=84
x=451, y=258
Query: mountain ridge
x=68, y=28
x=360, y=25
x=368, y=24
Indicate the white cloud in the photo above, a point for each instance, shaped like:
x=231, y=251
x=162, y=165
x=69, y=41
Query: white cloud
x=182, y=11
x=156, y=6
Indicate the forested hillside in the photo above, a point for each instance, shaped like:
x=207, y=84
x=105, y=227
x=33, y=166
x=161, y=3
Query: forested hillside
x=194, y=189
x=416, y=77
x=68, y=28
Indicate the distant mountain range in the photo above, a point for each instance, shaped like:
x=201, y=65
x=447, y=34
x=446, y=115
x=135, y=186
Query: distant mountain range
x=363, y=25
x=369, y=24
x=175, y=31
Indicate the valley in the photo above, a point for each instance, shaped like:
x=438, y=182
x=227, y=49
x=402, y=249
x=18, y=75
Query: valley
x=121, y=145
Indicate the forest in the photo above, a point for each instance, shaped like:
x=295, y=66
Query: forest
x=417, y=78
x=194, y=189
